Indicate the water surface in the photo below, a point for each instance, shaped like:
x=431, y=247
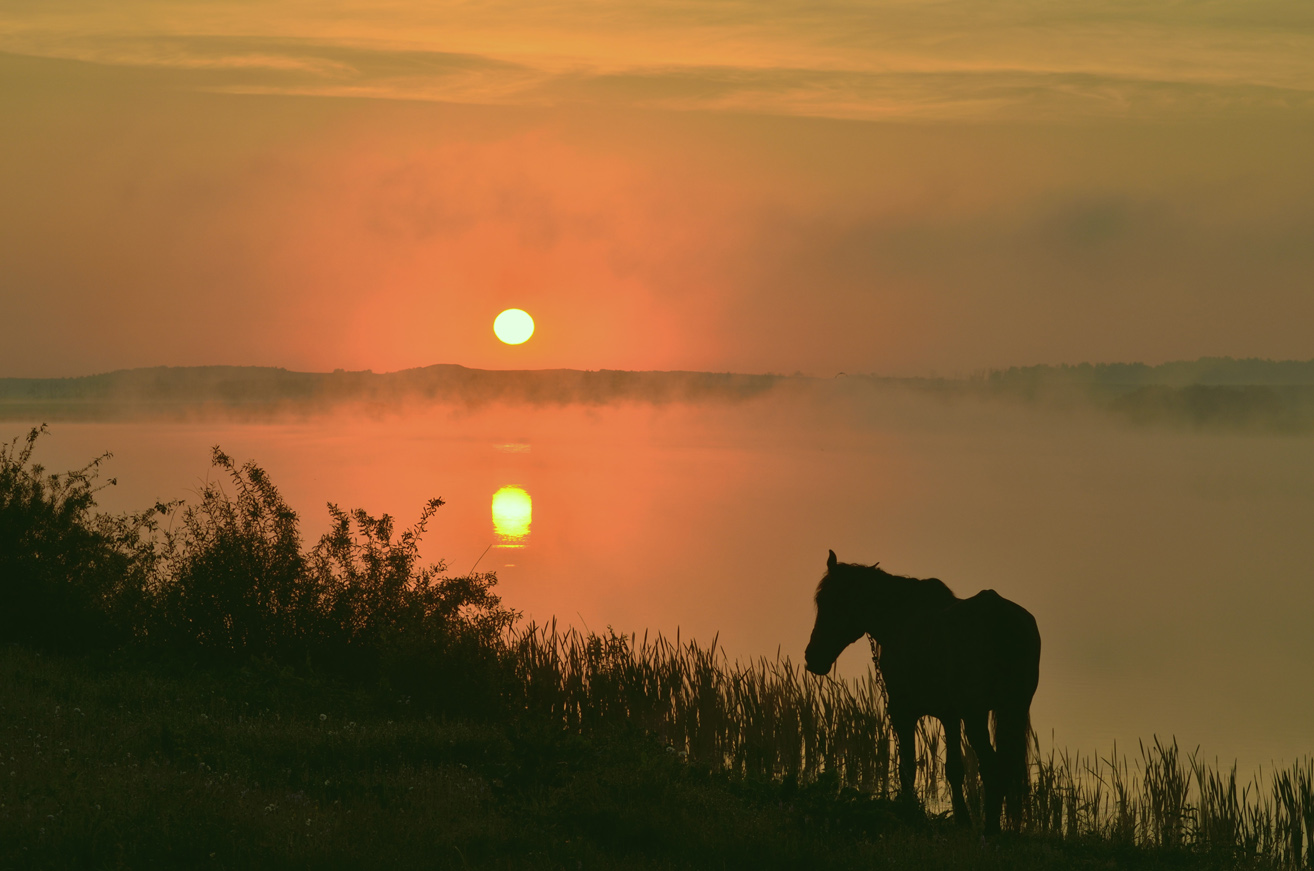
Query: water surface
x=1169, y=570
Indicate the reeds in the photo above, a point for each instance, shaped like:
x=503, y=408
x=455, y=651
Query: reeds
x=1170, y=801
x=763, y=719
x=768, y=719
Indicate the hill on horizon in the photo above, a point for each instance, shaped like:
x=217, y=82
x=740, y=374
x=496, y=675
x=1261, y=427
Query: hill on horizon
x=257, y=389
x=1209, y=393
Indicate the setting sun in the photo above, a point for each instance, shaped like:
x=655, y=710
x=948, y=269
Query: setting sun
x=514, y=326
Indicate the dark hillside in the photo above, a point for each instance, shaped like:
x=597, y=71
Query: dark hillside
x=1210, y=394
x=257, y=391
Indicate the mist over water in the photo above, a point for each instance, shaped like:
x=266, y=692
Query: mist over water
x=1168, y=568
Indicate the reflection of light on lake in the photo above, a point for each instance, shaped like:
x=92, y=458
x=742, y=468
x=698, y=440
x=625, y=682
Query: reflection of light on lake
x=512, y=513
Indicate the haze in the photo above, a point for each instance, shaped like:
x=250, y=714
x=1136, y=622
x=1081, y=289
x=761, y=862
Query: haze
x=905, y=188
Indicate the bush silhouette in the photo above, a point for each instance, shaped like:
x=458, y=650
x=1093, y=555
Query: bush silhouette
x=231, y=581
x=384, y=614
x=70, y=578
x=235, y=582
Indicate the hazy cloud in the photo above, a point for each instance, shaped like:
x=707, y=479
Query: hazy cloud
x=954, y=60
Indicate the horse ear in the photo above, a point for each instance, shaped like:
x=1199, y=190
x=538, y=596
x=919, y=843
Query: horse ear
x=831, y=561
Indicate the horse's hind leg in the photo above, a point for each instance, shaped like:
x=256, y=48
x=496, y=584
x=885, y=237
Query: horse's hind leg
x=1012, y=733
x=905, y=730
x=978, y=733
x=953, y=766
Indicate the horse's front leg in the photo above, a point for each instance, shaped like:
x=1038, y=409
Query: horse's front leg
x=953, y=767
x=905, y=730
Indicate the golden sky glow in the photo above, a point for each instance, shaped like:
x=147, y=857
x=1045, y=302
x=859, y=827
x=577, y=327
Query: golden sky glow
x=904, y=187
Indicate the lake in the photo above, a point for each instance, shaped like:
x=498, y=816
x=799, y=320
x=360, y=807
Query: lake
x=1169, y=570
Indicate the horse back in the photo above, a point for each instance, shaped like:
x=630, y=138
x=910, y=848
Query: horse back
x=994, y=646
x=980, y=653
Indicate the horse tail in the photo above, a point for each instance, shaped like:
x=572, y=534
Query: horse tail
x=1012, y=741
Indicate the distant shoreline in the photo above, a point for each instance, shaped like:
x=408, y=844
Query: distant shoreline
x=1214, y=393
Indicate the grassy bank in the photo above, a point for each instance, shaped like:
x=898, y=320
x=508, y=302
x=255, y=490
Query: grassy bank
x=116, y=762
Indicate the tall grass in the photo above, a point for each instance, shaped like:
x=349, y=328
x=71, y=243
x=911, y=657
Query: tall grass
x=768, y=719
x=231, y=580
x=765, y=719
x=1164, y=799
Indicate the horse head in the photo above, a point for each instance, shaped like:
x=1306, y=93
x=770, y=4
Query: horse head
x=839, y=620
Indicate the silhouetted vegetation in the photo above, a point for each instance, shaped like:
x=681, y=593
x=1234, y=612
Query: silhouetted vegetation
x=230, y=581
x=257, y=703
x=115, y=762
x=71, y=578
x=261, y=392
x=234, y=582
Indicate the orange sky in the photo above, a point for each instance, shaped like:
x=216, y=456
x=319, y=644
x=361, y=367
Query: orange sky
x=900, y=187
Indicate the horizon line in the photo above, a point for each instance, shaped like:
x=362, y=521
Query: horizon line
x=932, y=375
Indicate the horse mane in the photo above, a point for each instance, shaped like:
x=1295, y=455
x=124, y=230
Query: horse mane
x=918, y=592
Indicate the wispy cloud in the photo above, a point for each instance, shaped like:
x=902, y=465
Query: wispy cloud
x=870, y=60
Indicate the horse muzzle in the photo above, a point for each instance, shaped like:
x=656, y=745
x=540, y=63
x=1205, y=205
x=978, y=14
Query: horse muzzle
x=815, y=666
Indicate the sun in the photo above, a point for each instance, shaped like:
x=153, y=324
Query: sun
x=514, y=326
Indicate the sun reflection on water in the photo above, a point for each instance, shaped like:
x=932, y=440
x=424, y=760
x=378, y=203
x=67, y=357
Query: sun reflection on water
x=512, y=513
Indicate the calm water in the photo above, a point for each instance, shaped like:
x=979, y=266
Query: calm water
x=1170, y=572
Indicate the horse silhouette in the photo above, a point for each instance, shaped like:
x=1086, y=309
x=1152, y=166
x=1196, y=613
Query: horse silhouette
x=958, y=660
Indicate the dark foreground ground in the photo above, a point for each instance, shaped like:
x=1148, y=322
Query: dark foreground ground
x=111, y=762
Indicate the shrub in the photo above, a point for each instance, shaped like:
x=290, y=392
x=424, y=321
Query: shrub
x=432, y=637
x=70, y=578
x=231, y=581
x=235, y=583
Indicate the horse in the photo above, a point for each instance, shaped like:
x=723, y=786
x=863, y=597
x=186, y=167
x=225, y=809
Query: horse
x=958, y=660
